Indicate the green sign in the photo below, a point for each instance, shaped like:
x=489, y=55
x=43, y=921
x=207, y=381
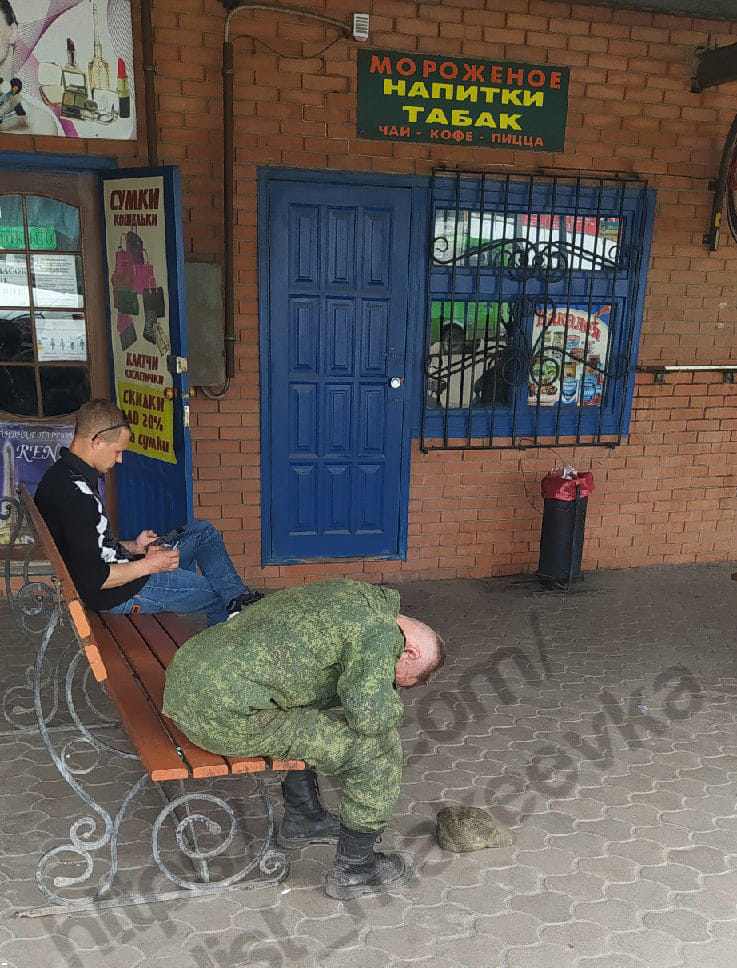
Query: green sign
x=42, y=237
x=430, y=98
x=718, y=9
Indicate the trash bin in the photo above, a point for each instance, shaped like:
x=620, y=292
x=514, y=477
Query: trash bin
x=564, y=521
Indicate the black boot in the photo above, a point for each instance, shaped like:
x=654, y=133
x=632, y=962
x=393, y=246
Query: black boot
x=305, y=819
x=358, y=869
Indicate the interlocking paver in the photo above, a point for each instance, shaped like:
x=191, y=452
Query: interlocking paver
x=682, y=923
x=677, y=877
x=708, y=860
x=612, y=914
x=712, y=954
x=611, y=867
x=641, y=895
x=624, y=819
x=581, y=937
x=512, y=927
x=656, y=949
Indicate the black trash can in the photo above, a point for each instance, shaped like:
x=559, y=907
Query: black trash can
x=564, y=522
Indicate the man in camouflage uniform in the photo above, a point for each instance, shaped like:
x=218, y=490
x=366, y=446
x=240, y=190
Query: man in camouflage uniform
x=266, y=682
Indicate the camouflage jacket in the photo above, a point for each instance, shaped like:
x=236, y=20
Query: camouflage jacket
x=329, y=643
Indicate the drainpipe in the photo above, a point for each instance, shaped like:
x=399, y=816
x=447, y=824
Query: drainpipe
x=228, y=159
x=228, y=205
x=149, y=87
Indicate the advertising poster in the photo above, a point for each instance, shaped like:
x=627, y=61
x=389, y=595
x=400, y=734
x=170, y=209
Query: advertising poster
x=569, y=353
x=488, y=104
x=66, y=68
x=27, y=450
x=135, y=232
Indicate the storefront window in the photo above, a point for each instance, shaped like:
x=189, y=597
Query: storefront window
x=535, y=291
x=43, y=328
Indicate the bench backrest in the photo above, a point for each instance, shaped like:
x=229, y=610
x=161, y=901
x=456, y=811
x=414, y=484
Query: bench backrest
x=69, y=592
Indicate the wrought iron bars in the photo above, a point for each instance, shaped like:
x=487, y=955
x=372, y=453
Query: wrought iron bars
x=531, y=308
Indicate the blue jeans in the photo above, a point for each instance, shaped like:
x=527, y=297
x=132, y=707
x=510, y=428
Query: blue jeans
x=186, y=591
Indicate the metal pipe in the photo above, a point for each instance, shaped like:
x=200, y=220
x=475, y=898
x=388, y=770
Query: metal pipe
x=149, y=86
x=228, y=167
x=228, y=203
x=687, y=368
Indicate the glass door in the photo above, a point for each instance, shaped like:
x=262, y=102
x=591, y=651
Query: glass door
x=53, y=346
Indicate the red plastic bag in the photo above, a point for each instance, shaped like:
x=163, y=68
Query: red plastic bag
x=564, y=488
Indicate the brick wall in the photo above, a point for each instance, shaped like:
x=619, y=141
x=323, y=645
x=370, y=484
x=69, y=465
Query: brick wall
x=666, y=496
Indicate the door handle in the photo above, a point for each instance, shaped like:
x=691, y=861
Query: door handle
x=395, y=382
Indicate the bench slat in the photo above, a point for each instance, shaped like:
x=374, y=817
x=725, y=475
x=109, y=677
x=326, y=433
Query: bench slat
x=179, y=632
x=135, y=638
x=142, y=724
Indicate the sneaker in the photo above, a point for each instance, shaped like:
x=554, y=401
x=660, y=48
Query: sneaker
x=240, y=602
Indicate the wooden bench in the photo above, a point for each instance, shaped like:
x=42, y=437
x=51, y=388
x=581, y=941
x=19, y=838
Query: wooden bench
x=128, y=656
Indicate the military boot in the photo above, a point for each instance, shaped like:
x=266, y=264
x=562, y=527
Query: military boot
x=358, y=869
x=305, y=819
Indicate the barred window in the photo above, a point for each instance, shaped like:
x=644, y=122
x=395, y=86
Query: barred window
x=535, y=288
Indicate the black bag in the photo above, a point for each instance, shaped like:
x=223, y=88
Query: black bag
x=134, y=247
x=153, y=301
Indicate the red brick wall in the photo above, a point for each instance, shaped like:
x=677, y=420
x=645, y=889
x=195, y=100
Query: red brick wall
x=667, y=495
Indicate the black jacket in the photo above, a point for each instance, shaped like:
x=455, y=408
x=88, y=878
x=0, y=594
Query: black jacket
x=67, y=498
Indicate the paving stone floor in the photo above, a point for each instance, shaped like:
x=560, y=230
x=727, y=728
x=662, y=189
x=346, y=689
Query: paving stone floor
x=599, y=724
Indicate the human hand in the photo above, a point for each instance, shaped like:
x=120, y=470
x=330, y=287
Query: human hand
x=161, y=559
x=144, y=539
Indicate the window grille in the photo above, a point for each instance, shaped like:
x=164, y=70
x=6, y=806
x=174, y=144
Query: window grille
x=535, y=288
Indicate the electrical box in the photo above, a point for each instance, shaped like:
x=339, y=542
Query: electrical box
x=205, y=323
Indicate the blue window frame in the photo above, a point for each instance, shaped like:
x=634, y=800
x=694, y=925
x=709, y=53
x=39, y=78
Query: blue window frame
x=534, y=305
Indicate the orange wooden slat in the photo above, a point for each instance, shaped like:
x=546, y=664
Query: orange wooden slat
x=246, y=764
x=142, y=724
x=133, y=638
x=79, y=617
x=285, y=764
x=95, y=660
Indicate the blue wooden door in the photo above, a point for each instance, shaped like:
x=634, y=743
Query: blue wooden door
x=335, y=436
x=148, y=359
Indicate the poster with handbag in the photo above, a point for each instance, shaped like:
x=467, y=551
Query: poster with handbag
x=135, y=235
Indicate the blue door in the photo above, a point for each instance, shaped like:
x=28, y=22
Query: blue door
x=334, y=429
x=148, y=346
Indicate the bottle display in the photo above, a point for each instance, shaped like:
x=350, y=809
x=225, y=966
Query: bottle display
x=98, y=69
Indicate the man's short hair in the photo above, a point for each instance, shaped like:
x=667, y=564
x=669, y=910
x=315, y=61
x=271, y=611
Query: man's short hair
x=436, y=663
x=8, y=12
x=100, y=418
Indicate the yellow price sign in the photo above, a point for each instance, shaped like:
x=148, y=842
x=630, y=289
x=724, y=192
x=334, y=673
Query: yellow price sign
x=151, y=418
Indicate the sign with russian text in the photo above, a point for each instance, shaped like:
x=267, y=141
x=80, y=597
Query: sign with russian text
x=464, y=101
x=135, y=233
x=27, y=450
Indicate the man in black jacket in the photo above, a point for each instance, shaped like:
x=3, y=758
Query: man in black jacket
x=139, y=575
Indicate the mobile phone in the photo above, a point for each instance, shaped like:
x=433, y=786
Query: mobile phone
x=171, y=538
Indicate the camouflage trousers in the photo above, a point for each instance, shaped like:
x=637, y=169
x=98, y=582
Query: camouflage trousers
x=369, y=767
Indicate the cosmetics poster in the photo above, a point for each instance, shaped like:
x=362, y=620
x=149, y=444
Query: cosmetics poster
x=66, y=68
x=138, y=292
